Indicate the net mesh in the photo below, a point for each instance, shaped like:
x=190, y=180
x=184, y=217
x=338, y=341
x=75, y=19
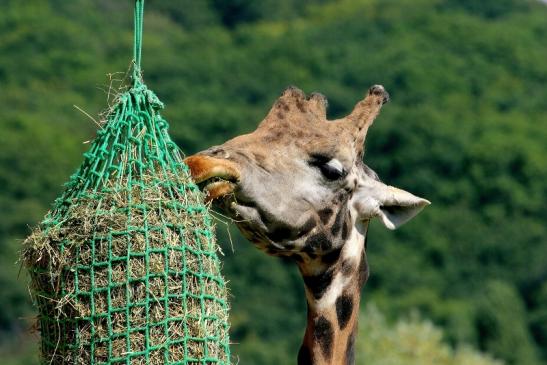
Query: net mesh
x=124, y=268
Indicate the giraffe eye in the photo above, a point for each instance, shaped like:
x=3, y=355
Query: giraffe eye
x=331, y=173
x=331, y=168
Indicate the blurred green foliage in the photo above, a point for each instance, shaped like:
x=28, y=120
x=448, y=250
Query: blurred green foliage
x=466, y=129
x=410, y=341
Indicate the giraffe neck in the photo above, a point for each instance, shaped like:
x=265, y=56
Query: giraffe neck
x=333, y=293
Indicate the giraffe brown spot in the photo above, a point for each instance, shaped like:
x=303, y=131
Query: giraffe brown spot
x=283, y=106
x=332, y=256
x=279, y=233
x=275, y=135
x=325, y=214
x=342, y=197
x=323, y=334
x=317, y=242
x=346, y=268
x=300, y=105
x=318, y=284
x=337, y=225
x=344, y=308
x=363, y=269
x=346, y=228
x=280, y=115
x=299, y=134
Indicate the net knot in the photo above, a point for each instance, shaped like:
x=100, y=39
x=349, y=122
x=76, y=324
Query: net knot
x=142, y=93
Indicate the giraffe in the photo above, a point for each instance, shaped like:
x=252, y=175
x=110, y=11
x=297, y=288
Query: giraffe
x=297, y=187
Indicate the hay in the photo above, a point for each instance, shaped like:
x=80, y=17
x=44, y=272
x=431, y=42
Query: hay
x=124, y=269
x=130, y=273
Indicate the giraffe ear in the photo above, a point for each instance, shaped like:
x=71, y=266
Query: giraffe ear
x=393, y=206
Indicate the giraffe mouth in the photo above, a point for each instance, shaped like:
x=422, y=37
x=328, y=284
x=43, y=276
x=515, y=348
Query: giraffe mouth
x=216, y=187
x=214, y=176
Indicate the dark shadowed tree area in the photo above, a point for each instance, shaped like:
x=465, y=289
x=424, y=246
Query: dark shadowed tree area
x=466, y=129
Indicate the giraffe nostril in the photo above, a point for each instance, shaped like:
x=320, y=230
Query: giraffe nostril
x=214, y=150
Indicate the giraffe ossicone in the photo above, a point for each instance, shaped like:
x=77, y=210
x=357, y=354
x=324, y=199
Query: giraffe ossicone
x=297, y=186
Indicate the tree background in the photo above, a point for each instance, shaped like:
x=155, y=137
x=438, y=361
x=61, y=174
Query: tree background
x=466, y=128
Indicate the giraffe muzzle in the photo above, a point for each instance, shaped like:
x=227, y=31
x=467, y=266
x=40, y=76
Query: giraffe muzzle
x=216, y=177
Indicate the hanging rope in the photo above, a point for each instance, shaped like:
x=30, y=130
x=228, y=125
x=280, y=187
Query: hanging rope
x=137, y=43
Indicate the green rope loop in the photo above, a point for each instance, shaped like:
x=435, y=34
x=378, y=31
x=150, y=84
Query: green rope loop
x=137, y=46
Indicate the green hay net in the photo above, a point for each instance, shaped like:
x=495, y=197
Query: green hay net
x=124, y=269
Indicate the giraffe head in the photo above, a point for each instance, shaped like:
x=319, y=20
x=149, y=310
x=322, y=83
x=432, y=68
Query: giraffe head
x=297, y=185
